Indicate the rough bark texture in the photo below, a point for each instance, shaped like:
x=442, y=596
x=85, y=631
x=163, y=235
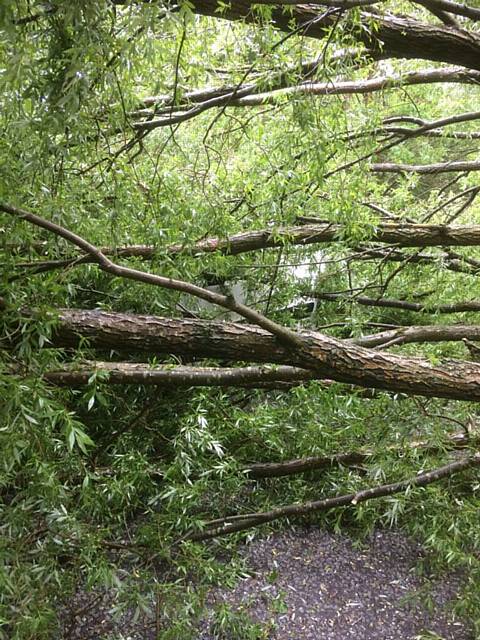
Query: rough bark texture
x=327, y=357
x=178, y=376
x=162, y=336
x=384, y=36
x=402, y=234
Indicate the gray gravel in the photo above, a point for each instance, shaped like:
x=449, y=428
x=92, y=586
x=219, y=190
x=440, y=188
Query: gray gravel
x=307, y=583
x=329, y=589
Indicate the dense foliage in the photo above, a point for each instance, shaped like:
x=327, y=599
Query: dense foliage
x=98, y=478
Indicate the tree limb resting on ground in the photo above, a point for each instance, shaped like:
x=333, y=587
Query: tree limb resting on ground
x=259, y=470
x=225, y=526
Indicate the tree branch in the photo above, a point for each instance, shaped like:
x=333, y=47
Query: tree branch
x=283, y=334
x=327, y=357
x=397, y=233
x=179, y=376
x=391, y=303
x=255, y=95
x=438, y=167
x=451, y=7
x=225, y=526
x=260, y=470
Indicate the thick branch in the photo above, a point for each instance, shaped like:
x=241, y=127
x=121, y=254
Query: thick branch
x=333, y=87
x=178, y=376
x=400, y=234
x=327, y=357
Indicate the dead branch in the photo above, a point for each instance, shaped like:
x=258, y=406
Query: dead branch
x=225, y=526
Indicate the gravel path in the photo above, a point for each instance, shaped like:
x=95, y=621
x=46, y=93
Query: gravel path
x=307, y=584
x=328, y=589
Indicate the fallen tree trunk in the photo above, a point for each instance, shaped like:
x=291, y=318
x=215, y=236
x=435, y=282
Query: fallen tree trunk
x=327, y=357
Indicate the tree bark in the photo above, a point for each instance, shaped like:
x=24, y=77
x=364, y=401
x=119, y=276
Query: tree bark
x=401, y=234
x=327, y=357
x=385, y=36
x=251, y=95
x=179, y=376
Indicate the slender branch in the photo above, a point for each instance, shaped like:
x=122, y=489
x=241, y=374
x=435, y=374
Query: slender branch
x=225, y=526
x=283, y=334
x=438, y=167
x=448, y=260
x=255, y=95
x=259, y=470
x=405, y=305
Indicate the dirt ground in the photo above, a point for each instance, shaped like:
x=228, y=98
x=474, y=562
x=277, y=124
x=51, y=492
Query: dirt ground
x=309, y=584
